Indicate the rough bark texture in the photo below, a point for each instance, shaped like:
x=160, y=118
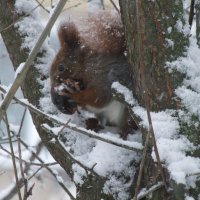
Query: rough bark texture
x=198, y=22
x=159, y=26
x=162, y=41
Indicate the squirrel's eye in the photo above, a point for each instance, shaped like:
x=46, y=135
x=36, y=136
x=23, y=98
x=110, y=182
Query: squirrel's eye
x=61, y=67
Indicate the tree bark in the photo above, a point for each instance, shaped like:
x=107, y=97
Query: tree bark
x=162, y=41
x=198, y=22
x=160, y=20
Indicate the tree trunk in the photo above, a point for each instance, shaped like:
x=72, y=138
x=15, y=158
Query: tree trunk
x=198, y=22
x=162, y=41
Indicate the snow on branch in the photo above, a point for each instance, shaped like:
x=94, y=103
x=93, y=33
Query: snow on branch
x=21, y=76
x=145, y=192
x=134, y=146
x=87, y=169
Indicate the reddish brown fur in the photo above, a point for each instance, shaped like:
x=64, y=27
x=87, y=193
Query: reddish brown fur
x=107, y=34
x=93, y=57
x=103, y=37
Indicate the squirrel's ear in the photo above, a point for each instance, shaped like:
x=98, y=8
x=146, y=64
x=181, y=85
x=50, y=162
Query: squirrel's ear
x=69, y=36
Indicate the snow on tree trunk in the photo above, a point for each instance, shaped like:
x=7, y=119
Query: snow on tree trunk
x=165, y=38
x=92, y=188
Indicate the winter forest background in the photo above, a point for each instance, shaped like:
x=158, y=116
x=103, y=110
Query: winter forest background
x=97, y=166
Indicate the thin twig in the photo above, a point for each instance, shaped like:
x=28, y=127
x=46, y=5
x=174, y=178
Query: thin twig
x=116, y=8
x=71, y=156
x=30, y=190
x=13, y=191
x=61, y=184
x=27, y=162
x=25, y=182
x=137, y=187
x=191, y=15
x=157, y=153
x=35, y=156
x=19, y=19
x=76, y=5
x=40, y=4
x=193, y=174
x=50, y=170
x=13, y=158
x=70, y=126
x=20, y=151
x=21, y=76
x=62, y=129
x=140, y=34
x=30, y=177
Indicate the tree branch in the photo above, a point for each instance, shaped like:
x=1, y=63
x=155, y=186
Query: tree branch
x=73, y=127
x=21, y=76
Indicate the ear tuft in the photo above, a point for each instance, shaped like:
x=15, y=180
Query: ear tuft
x=68, y=35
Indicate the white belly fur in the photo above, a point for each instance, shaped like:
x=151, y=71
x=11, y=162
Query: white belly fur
x=112, y=113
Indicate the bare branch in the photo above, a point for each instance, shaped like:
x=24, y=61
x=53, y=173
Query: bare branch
x=137, y=187
x=25, y=188
x=13, y=191
x=150, y=190
x=140, y=30
x=19, y=19
x=40, y=4
x=70, y=156
x=114, y=5
x=76, y=5
x=29, y=193
x=193, y=174
x=13, y=157
x=20, y=151
x=20, y=77
x=191, y=15
x=83, y=131
x=30, y=177
x=27, y=162
x=50, y=170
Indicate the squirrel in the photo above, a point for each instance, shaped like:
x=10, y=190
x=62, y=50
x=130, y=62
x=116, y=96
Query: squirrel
x=85, y=67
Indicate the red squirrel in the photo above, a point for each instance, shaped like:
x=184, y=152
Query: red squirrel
x=85, y=67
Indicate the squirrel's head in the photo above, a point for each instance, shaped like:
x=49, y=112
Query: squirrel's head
x=67, y=68
x=83, y=61
x=69, y=60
